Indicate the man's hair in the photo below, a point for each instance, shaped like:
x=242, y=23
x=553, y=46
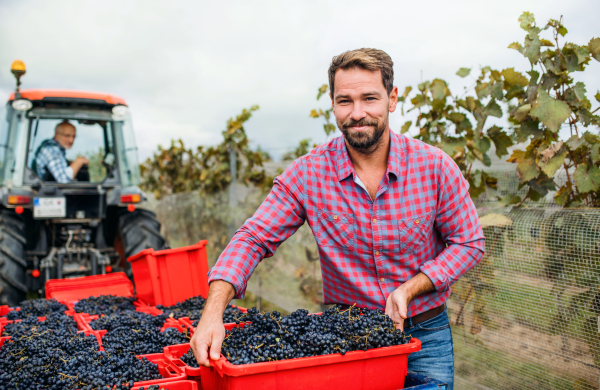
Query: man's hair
x=61, y=124
x=367, y=59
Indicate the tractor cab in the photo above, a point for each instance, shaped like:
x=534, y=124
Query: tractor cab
x=59, y=219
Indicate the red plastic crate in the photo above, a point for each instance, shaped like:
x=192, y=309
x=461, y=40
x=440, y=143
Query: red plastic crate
x=179, y=385
x=72, y=290
x=4, y=340
x=172, y=275
x=169, y=372
x=380, y=368
x=4, y=309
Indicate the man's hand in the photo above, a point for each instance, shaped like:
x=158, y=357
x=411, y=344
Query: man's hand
x=396, y=306
x=78, y=163
x=208, y=337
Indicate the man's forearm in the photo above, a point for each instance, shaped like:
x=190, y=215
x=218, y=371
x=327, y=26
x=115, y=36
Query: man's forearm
x=220, y=293
x=418, y=285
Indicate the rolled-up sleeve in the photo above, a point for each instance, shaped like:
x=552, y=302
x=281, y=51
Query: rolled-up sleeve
x=278, y=217
x=458, y=224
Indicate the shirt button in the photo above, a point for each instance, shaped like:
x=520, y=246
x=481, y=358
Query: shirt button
x=374, y=220
x=382, y=279
x=335, y=217
x=376, y=253
x=417, y=221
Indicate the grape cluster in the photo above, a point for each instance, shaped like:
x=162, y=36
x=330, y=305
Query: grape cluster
x=193, y=307
x=128, y=319
x=105, y=304
x=54, y=321
x=36, y=308
x=64, y=359
x=142, y=340
x=271, y=336
x=189, y=359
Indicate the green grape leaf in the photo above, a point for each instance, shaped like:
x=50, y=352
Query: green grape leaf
x=520, y=114
x=513, y=77
x=597, y=96
x=501, y=140
x=594, y=47
x=493, y=109
x=483, y=144
x=405, y=127
x=329, y=128
x=580, y=91
x=562, y=30
x=532, y=45
x=595, y=153
x=553, y=158
x=526, y=20
x=463, y=72
x=550, y=111
x=533, y=77
x=546, y=42
x=406, y=92
x=562, y=195
x=527, y=170
x=516, y=46
x=587, y=180
x=510, y=199
x=322, y=90
x=575, y=142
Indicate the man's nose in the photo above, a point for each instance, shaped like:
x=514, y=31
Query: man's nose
x=358, y=111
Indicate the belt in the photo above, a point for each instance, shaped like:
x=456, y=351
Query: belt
x=422, y=317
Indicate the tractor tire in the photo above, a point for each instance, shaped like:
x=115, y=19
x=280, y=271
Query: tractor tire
x=139, y=230
x=13, y=276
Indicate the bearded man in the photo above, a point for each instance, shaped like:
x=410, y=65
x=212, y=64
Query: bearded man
x=392, y=218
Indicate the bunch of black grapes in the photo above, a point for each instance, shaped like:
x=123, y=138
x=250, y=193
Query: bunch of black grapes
x=61, y=358
x=142, y=340
x=193, y=307
x=36, y=308
x=128, y=319
x=271, y=336
x=189, y=359
x=105, y=304
x=54, y=321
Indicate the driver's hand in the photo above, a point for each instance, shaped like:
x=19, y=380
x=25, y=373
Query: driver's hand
x=82, y=160
x=207, y=339
x=396, y=307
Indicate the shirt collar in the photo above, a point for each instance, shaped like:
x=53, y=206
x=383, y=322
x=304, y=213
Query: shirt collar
x=345, y=167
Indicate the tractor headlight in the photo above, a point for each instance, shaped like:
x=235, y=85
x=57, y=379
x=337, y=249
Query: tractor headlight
x=120, y=111
x=22, y=104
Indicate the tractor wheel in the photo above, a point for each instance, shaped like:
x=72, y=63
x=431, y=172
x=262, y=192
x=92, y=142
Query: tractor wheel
x=13, y=283
x=139, y=230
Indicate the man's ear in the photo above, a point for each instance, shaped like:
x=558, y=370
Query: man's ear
x=393, y=99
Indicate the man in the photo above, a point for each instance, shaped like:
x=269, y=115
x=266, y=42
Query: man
x=50, y=162
x=392, y=218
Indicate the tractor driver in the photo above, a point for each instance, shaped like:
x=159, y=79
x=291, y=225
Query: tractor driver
x=50, y=162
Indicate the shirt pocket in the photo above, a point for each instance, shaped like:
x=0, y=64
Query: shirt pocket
x=335, y=229
x=413, y=231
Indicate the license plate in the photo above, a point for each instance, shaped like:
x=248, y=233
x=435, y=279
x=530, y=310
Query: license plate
x=49, y=207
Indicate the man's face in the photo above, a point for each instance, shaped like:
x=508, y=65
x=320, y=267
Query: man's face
x=361, y=106
x=65, y=135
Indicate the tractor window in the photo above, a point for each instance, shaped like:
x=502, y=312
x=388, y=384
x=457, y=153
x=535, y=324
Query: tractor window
x=4, y=128
x=92, y=140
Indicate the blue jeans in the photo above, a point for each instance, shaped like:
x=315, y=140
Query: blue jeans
x=436, y=357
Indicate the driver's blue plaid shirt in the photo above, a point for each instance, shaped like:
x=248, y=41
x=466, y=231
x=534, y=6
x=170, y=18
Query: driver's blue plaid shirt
x=51, y=157
x=422, y=220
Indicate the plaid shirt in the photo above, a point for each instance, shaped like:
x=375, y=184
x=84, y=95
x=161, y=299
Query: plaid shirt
x=51, y=157
x=422, y=220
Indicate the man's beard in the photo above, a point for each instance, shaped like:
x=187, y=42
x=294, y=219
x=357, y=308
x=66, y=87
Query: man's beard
x=363, y=141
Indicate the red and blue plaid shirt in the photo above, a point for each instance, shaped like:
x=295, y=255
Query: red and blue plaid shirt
x=422, y=220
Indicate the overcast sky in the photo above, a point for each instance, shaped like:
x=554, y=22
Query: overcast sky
x=185, y=67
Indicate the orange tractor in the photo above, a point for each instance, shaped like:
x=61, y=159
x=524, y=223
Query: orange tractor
x=86, y=226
